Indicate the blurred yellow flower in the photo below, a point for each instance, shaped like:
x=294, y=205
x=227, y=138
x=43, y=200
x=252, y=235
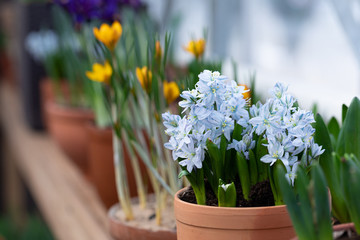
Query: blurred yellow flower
x=100, y=73
x=108, y=35
x=247, y=94
x=197, y=48
x=171, y=91
x=145, y=77
x=158, y=50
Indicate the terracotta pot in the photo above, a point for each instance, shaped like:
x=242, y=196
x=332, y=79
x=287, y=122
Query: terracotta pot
x=213, y=223
x=68, y=128
x=101, y=163
x=101, y=171
x=122, y=231
x=339, y=229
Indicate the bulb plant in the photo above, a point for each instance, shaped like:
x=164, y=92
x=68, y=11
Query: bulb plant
x=221, y=138
x=134, y=81
x=340, y=162
x=308, y=203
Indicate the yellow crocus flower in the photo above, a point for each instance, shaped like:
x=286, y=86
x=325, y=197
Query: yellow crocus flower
x=247, y=94
x=158, y=50
x=108, y=35
x=100, y=73
x=197, y=48
x=171, y=91
x=145, y=77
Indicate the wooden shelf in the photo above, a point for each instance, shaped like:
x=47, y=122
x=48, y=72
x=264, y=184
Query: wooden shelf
x=67, y=201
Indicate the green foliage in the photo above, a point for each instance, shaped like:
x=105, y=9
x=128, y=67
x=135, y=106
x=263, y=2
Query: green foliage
x=349, y=136
x=34, y=228
x=340, y=160
x=330, y=169
x=308, y=203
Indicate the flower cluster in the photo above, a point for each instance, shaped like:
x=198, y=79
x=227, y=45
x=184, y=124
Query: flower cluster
x=213, y=108
x=42, y=44
x=85, y=10
x=287, y=129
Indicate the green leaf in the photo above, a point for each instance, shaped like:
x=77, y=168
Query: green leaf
x=349, y=136
x=253, y=168
x=344, y=112
x=301, y=185
x=273, y=177
x=226, y=194
x=237, y=133
x=294, y=207
x=243, y=170
x=334, y=130
x=322, y=205
x=263, y=168
x=327, y=164
x=216, y=158
x=351, y=177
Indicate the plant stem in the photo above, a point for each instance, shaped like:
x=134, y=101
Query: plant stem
x=137, y=172
x=120, y=168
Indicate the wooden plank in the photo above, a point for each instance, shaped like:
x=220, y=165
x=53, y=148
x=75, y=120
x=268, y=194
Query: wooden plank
x=67, y=201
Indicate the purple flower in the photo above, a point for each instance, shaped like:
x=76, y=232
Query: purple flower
x=106, y=10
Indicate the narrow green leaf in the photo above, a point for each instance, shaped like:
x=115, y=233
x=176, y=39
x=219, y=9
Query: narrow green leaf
x=274, y=176
x=294, y=208
x=263, y=168
x=243, y=170
x=301, y=185
x=349, y=136
x=215, y=158
x=253, y=168
x=322, y=205
x=344, y=112
x=237, y=133
x=334, y=127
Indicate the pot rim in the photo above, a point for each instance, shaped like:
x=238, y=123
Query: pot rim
x=114, y=220
x=235, y=218
x=66, y=111
x=213, y=208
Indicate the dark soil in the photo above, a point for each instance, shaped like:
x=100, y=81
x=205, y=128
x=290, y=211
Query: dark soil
x=260, y=196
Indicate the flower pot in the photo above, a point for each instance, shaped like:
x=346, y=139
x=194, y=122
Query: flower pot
x=340, y=229
x=101, y=163
x=142, y=228
x=68, y=128
x=204, y=222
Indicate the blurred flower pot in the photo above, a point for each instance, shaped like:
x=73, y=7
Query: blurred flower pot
x=349, y=228
x=340, y=229
x=6, y=69
x=67, y=126
x=101, y=171
x=204, y=222
x=122, y=230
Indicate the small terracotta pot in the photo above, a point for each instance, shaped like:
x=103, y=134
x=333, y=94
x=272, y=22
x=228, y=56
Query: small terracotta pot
x=213, y=223
x=101, y=172
x=350, y=227
x=121, y=231
x=68, y=128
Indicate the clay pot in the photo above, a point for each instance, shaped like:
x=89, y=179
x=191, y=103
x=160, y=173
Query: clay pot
x=122, y=231
x=67, y=126
x=213, y=223
x=339, y=229
x=101, y=171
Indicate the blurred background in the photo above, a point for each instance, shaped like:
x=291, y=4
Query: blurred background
x=312, y=45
